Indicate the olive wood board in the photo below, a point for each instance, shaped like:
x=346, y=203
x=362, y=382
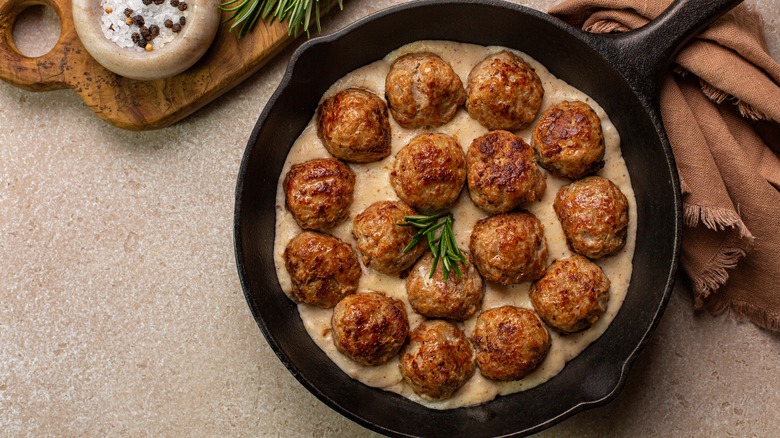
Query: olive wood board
x=127, y=103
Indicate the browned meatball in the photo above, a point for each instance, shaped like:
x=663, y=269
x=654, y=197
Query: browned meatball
x=437, y=360
x=594, y=216
x=572, y=295
x=502, y=172
x=510, y=342
x=429, y=172
x=354, y=126
x=369, y=327
x=423, y=90
x=323, y=269
x=319, y=192
x=380, y=239
x=457, y=298
x=504, y=92
x=509, y=248
x=569, y=140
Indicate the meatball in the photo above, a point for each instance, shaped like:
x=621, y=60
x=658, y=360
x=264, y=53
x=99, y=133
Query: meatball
x=569, y=140
x=319, y=192
x=456, y=298
x=437, y=360
x=380, y=239
x=354, y=126
x=323, y=269
x=504, y=92
x=423, y=90
x=572, y=295
x=429, y=172
x=502, y=172
x=594, y=216
x=509, y=248
x=369, y=327
x=510, y=342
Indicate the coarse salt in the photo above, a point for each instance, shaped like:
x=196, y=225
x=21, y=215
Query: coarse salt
x=117, y=30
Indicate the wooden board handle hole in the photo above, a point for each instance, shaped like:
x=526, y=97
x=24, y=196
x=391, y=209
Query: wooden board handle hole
x=36, y=31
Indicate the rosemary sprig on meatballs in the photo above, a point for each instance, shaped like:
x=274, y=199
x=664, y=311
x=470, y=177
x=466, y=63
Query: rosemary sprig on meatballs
x=437, y=230
x=245, y=13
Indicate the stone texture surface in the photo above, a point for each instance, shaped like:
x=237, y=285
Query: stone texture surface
x=121, y=312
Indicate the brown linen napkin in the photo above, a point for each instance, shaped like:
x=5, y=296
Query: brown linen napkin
x=721, y=111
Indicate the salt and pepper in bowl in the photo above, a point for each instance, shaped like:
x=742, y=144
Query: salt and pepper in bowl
x=146, y=39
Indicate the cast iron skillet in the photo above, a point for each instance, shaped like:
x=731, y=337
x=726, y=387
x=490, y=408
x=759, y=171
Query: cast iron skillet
x=621, y=72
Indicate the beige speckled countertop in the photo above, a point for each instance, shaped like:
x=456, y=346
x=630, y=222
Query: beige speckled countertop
x=121, y=311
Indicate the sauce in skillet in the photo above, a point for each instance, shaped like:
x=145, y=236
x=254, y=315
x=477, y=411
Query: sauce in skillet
x=373, y=185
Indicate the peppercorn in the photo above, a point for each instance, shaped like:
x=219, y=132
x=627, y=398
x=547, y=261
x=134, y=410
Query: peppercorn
x=168, y=23
x=175, y=3
x=141, y=43
x=128, y=12
x=182, y=20
x=147, y=2
x=136, y=37
x=182, y=6
x=138, y=20
x=159, y=2
x=154, y=31
x=145, y=33
x=176, y=27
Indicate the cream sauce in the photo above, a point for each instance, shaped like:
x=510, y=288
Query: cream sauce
x=372, y=185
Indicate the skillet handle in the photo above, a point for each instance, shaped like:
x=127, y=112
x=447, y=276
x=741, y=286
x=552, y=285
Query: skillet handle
x=643, y=55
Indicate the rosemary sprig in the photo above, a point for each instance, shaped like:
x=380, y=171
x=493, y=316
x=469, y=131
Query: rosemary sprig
x=245, y=13
x=442, y=244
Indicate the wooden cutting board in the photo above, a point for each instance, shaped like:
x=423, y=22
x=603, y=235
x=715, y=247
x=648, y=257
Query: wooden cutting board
x=128, y=103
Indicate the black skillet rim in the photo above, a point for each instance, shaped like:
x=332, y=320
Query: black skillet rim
x=577, y=407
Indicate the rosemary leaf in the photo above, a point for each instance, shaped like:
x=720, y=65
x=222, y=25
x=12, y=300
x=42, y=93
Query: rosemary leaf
x=414, y=242
x=457, y=270
x=317, y=15
x=432, y=243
